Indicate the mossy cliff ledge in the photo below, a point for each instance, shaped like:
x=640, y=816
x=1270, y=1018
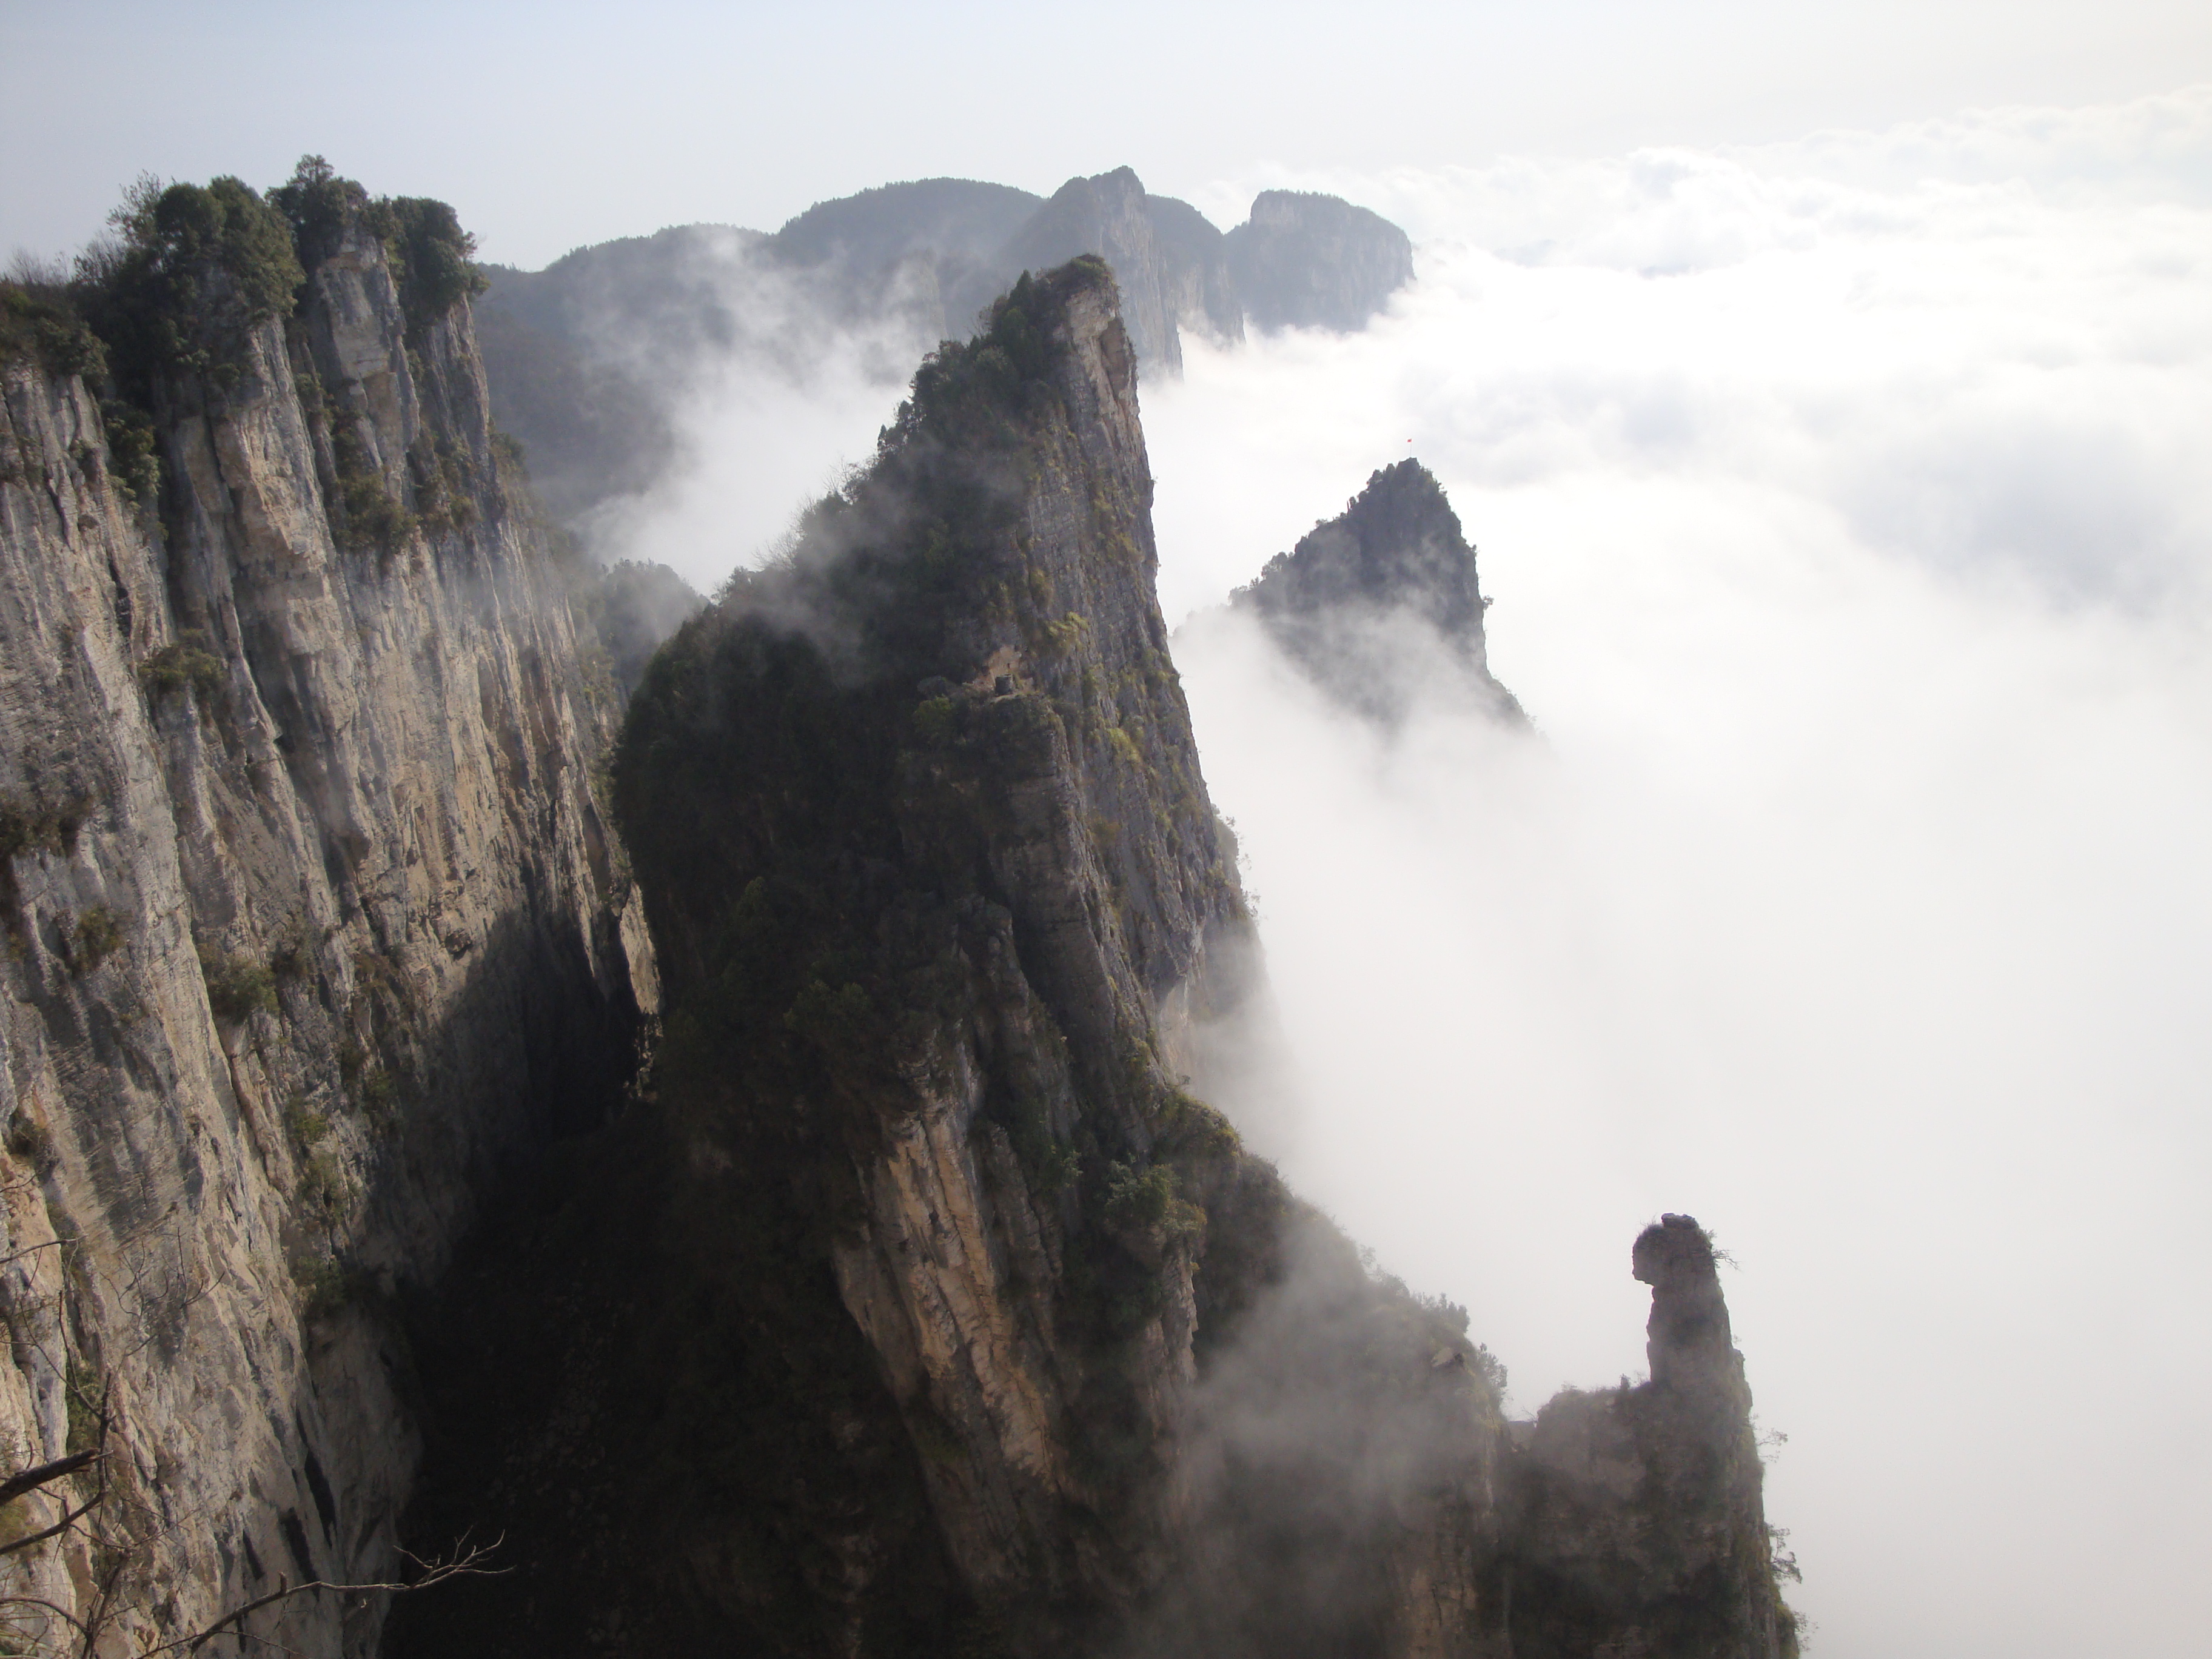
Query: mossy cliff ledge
x=922, y=1306
x=311, y=919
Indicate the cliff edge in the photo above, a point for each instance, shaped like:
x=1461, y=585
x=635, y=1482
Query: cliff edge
x=313, y=920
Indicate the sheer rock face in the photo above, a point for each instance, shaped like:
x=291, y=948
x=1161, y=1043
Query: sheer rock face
x=1380, y=605
x=1306, y=260
x=311, y=919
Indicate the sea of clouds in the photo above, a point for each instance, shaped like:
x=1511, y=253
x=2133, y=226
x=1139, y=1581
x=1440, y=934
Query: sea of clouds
x=1846, y=508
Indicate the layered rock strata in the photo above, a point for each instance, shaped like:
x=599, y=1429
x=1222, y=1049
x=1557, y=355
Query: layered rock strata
x=312, y=921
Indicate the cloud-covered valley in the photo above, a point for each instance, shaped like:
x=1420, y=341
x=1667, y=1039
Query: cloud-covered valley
x=1845, y=512
x=1844, y=509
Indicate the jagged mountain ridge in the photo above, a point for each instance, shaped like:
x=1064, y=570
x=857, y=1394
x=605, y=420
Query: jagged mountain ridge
x=588, y=355
x=943, y=1315
x=313, y=921
x=916, y=1304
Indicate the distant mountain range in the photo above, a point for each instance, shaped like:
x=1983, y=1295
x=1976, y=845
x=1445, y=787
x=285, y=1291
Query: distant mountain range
x=589, y=357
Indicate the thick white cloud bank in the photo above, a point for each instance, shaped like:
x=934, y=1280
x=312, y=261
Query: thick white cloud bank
x=1847, y=512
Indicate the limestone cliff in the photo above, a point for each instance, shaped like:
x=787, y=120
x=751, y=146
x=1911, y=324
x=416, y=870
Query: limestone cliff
x=920, y=1306
x=1380, y=605
x=312, y=916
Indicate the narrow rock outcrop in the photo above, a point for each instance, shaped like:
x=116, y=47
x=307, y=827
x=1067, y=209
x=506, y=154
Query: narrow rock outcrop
x=1637, y=1524
x=311, y=917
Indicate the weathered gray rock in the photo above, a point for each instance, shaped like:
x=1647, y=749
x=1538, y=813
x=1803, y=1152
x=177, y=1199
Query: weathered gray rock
x=1638, y=1526
x=312, y=921
x=1170, y=262
x=1305, y=260
x=1380, y=605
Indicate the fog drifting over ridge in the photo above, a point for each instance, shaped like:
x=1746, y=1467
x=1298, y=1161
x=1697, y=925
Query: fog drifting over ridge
x=1850, y=539
x=1844, y=508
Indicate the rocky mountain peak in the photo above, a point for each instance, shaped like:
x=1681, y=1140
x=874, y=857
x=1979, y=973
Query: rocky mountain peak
x=1170, y=265
x=1372, y=602
x=1307, y=260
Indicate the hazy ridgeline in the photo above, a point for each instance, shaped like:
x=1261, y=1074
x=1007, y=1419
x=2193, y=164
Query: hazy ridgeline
x=1843, y=884
x=680, y=394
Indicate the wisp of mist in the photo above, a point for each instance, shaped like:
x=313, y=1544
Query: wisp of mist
x=1845, y=510
x=1848, y=528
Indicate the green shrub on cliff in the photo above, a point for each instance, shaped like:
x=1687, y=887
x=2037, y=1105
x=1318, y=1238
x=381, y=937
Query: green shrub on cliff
x=37, y=321
x=97, y=936
x=238, y=986
x=185, y=662
x=368, y=516
x=189, y=271
x=433, y=259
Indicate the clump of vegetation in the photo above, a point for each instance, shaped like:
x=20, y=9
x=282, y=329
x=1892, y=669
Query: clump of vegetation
x=97, y=936
x=322, y=1183
x=441, y=485
x=307, y=1126
x=132, y=457
x=38, y=321
x=186, y=662
x=380, y=1096
x=368, y=516
x=327, y=1286
x=31, y=1141
x=432, y=257
x=190, y=271
x=238, y=987
x=26, y=827
x=86, y=1386
x=1146, y=1201
x=292, y=957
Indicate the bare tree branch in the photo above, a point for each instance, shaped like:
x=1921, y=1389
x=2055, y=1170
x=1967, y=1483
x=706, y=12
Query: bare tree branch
x=16, y=1485
x=466, y=1562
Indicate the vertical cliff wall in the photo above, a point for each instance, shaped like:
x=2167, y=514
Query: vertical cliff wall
x=922, y=1308
x=312, y=918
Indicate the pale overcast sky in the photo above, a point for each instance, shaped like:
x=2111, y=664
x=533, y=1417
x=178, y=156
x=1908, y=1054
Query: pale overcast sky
x=550, y=126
